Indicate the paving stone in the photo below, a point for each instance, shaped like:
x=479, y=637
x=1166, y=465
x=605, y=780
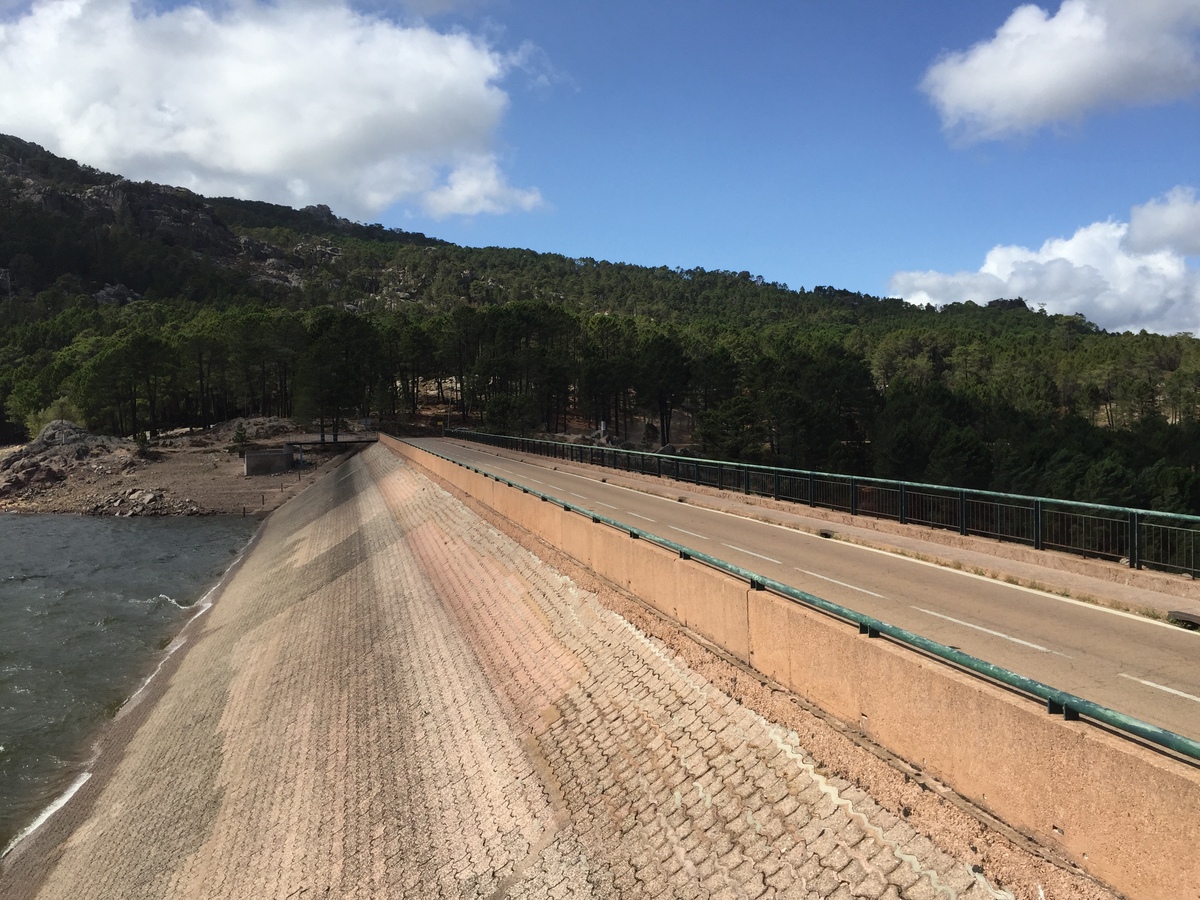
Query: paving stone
x=903, y=876
x=920, y=890
x=873, y=887
x=837, y=859
x=826, y=882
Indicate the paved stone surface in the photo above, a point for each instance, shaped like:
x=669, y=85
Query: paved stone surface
x=392, y=699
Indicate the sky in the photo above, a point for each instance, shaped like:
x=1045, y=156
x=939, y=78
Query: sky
x=934, y=150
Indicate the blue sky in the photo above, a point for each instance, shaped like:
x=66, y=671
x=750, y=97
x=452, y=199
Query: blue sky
x=938, y=151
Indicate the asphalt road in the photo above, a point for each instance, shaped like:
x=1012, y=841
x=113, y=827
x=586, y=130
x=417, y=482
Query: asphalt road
x=1140, y=667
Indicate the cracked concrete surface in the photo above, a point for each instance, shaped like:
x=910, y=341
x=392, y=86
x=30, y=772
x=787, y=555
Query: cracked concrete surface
x=393, y=699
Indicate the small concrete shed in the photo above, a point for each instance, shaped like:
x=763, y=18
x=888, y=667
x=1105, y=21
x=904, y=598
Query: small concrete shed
x=269, y=462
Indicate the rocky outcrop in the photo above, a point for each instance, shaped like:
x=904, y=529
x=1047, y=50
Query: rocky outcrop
x=61, y=447
x=143, y=502
x=115, y=295
x=171, y=216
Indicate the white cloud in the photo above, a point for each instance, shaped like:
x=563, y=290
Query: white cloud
x=1097, y=272
x=295, y=102
x=1169, y=223
x=1040, y=69
x=477, y=186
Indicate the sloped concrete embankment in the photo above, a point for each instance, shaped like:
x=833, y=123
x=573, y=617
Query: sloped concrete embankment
x=1124, y=813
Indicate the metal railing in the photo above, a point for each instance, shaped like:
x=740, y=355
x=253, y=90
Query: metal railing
x=1141, y=538
x=1057, y=702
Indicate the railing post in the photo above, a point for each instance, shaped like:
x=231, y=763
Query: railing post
x=1038, y=543
x=776, y=479
x=903, y=505
x=812, y=489
x=658, y=465
x=720, y=477
x=853, y=496
x=962, y=512
x=1135, y=550
x=746, y=479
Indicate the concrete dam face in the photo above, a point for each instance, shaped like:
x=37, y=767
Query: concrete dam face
x=392, y=698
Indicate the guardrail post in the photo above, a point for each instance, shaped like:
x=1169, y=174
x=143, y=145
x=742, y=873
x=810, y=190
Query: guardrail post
x=853, y=496
x=812, y=489
x=720, y=477
x=658, y=465
x=962, y=512
x=776, y=479
x=903, y=505
x=1037, y=526
x=1135, y=550
x=746, y=479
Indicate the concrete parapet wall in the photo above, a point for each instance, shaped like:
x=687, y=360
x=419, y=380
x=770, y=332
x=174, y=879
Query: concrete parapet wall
x=1124, y=813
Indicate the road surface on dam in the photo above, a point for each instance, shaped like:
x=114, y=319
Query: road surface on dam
x=1138, y=666
x=392, y=698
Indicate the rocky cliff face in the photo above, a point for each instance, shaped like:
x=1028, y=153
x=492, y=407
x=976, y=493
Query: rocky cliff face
x=41, y=183
x=173, y=216
x=39, y=189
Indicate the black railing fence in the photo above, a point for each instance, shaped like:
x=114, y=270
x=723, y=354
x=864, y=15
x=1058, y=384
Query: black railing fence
x=1142, y=538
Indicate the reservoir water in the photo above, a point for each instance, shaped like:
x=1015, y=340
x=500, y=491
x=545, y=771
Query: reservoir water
x=87, y=606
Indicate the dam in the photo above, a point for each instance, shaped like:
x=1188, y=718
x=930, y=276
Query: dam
x=392, y=697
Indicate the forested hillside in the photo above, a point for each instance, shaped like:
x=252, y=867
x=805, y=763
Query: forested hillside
x=137, y=307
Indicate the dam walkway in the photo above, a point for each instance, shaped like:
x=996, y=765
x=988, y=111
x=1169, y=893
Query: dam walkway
x=391, y=698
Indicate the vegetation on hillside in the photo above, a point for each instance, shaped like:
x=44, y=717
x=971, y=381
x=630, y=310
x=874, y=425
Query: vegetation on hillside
x=144, y=308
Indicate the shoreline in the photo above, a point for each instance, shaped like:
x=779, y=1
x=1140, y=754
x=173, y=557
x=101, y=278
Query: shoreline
x=197, y=474
x=98, y=737
x=108, y=738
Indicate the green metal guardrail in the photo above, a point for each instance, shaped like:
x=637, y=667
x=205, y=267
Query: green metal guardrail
x=1144, y=538
x=1057, y=702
